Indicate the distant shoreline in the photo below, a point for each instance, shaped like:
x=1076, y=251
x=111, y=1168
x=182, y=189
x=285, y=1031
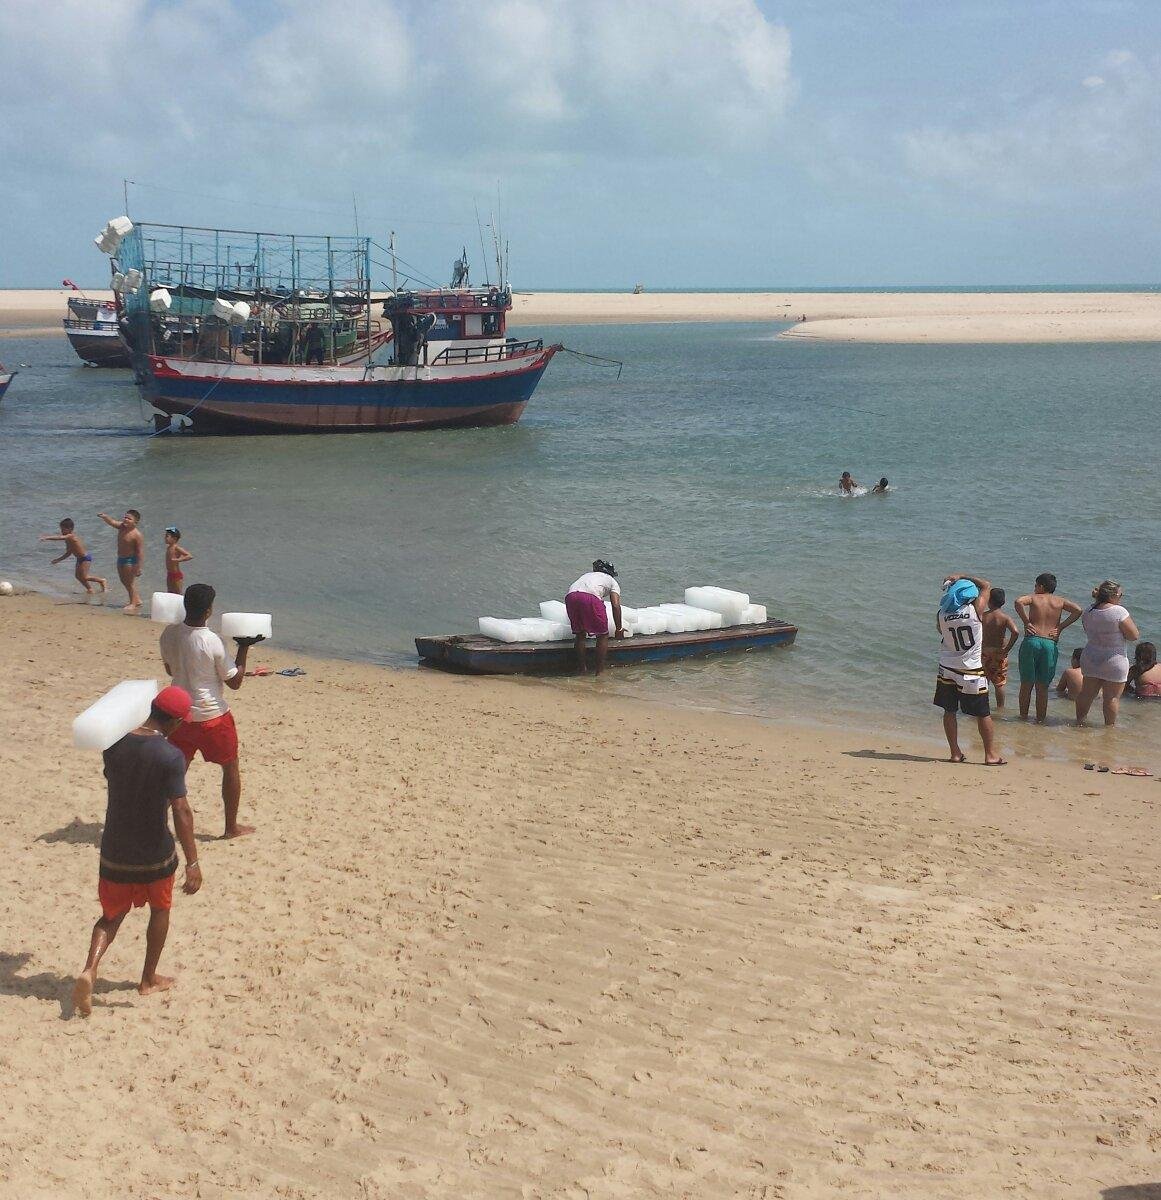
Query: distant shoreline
x=850, y=316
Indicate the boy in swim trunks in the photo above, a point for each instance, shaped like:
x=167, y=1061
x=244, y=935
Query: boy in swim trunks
x=1000, y=635
x=1068, y=685
x=75, y=547
x=1043, y=614
x=175, y=555
x=130, y=554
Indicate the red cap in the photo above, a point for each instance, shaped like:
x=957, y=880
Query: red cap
x=173, y=702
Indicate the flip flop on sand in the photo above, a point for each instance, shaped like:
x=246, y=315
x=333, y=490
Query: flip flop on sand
x=291, y=671
x=961, y=759
x=1000, y=762
x=261, y=671
x=1136, y=772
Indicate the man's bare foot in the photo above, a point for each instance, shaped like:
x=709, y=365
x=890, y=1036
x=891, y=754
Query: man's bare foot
x=131, y=609
x=102, y=587
x=958, y=758
x=159, y=983
x=83, y=994
x=238, y=831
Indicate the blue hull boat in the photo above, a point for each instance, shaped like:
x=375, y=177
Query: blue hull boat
x=478, y=655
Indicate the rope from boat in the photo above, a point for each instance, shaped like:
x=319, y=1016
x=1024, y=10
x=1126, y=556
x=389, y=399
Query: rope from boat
x=169, y=428
x=616, y=362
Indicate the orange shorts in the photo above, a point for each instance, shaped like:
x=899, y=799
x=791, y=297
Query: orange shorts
x=216, y=738
x=118, y=898
x=995, y=667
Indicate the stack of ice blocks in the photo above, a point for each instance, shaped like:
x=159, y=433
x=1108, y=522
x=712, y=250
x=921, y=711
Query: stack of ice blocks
x=704, y=608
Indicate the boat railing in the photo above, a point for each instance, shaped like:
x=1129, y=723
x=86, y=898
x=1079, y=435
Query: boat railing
x=487, y=354
x=472, y=301
x=109, y=322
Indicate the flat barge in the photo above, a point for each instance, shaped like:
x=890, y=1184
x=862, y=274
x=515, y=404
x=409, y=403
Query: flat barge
x=478, y=655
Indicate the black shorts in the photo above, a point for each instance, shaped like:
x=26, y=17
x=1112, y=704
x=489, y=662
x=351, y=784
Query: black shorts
x=951, y=699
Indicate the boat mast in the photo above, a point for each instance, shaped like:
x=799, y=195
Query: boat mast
x=394, y=273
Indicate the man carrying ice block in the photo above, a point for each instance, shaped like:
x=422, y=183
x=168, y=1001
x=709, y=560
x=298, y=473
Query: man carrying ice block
x=585, y=605
x=196, y=659
x=146, y=777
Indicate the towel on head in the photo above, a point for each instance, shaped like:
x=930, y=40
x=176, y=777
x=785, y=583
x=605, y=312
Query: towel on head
x=958, y=593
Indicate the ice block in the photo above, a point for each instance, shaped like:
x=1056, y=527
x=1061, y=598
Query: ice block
x=121, y=709
x=246, y=625
x=166, y=608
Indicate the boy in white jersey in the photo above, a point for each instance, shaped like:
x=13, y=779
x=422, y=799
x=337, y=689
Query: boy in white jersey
x=960, y=684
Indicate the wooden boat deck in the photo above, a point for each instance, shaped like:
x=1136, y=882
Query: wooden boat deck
x=479, y=655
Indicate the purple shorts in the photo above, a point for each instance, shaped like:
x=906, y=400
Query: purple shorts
x=586, y=614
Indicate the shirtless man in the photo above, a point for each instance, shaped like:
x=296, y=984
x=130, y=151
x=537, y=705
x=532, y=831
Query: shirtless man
x=1043, y=614
x=130, y=554
x=1000, y=635
x=1068, y=685
x=75, y=547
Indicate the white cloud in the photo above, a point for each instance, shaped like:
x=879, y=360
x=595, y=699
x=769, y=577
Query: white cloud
x=1099, y=138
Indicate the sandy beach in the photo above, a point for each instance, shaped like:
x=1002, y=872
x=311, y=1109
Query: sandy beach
x=497, y=938
x=830, y=316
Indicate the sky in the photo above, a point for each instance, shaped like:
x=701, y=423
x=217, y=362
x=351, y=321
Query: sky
x=676, y=143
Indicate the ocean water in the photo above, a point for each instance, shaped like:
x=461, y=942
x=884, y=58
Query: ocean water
x=714, y=459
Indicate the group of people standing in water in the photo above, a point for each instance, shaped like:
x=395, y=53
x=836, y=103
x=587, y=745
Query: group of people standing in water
x=977, y=636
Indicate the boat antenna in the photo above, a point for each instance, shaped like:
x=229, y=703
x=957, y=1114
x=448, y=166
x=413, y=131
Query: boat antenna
x=355, y=206
x=125, y=193
x=394, y=270
x=483, y=252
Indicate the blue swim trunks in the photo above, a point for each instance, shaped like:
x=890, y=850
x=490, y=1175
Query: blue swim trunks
x=130, y=560
x=1038, y=657
x=86, y=558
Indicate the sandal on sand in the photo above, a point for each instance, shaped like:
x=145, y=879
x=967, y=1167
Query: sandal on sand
x=961, y=759
x=1136, y=772
x=1103, y=770
x=293, y=672
x=1000, y=762
x=1090, y=766
x=261, y=671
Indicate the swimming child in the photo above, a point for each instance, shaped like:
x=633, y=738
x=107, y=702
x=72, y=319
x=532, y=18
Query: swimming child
x=880, y=487
x=1071, y=678
x=1000, y=635
x=847, y=484
x=175, y=555
x=76, y=548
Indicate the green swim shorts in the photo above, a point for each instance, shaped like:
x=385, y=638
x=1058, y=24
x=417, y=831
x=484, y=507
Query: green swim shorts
x=1038, y=657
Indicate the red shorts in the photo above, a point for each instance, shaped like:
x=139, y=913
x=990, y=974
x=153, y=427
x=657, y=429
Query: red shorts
x=586, y=614
x=216, y=738
x=174, y=580
x=118, y=898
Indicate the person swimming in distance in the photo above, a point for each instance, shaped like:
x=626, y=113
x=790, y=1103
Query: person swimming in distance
x=880, y=487
x=847, y=484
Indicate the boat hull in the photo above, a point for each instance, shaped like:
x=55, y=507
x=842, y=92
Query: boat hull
x=479, y=655
x=5, y=380
x=101, y=347
x=223, y=399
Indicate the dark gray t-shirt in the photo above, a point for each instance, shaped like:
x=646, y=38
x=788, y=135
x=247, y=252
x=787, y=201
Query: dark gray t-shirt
x=146, y=774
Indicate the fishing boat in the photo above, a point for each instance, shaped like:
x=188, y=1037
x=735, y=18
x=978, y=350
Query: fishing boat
x=478, y=655
x=5, y=379
x=94, y=332
x=283, y=334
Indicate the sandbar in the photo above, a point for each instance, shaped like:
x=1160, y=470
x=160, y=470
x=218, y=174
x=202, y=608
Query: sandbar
x=902, y=317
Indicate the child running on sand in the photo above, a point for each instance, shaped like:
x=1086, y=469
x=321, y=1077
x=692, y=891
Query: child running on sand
x=175, y=555
x=76, y=548
x=1000, y=635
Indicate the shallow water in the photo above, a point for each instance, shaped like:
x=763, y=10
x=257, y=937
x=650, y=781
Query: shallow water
x=715, y=459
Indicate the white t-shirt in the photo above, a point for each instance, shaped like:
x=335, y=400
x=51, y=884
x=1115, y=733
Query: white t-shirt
x=598, y=584
x=961, y=654
x=197, y=661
